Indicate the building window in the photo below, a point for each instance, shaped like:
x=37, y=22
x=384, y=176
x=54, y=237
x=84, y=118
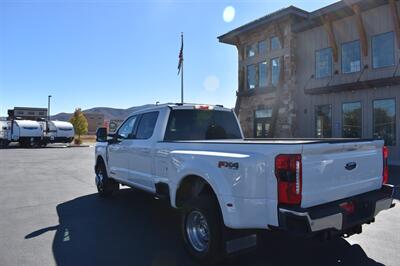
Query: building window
x=262, y=74
x=275, y=43
x=323, y=63
x=31, y=113
x=262, y=122
x=262, y=47
x=383, y=50
x=352, y=120
x=251, y=50
x=251, y=77
x=41, y=113
x=20, y=112
x=384, y=121
x=275, y=71
x=323, y=121
x=351, y=57
x=264, y=113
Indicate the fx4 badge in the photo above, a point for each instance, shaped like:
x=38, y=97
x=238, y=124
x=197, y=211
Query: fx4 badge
x=230, y=165
x=350, y=166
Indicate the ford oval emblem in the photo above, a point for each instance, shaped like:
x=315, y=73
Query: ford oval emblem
x=350, y=166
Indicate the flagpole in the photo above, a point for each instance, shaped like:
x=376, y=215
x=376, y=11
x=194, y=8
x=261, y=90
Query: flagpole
x=182, y=71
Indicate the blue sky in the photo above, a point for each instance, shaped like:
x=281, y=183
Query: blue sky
x=120, y=53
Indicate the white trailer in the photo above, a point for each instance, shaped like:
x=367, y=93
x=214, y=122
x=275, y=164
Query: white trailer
x=59, y=132
x=26, y=132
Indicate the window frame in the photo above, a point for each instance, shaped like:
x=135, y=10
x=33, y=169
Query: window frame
x=362, y=116
x=255, y=45
x=395, y=116
x=140, y=120
x=315, y=120
x=316, y=62
x=394, y=50
x=133, y=133
x=266, y=74
x=341, y=56
x=255, y=77
x=264, y=52
x=272, y=72
x=279, y=42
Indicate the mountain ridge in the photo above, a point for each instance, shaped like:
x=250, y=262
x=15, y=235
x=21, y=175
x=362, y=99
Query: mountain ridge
x=108, y=112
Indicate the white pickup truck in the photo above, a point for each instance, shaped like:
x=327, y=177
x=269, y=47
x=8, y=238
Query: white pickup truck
x=196, y=157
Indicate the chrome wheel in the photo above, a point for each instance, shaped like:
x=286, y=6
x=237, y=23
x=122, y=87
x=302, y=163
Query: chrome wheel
x=197, y=231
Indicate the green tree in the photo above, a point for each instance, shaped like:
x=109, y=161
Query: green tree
x=79, y=121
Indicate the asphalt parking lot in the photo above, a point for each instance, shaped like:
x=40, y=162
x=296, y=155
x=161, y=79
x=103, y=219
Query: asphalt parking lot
x=50, y=214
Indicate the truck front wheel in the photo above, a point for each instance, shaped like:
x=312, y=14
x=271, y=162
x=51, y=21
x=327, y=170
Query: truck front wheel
x=201, y=226
x=105, y=186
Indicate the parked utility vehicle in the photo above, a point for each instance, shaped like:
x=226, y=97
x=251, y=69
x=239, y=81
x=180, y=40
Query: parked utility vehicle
x=28, y=133
x=197, y=158
x=57, y=132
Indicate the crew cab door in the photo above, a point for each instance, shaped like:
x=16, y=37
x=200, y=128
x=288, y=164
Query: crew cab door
x=141, y=152
x=118, y=151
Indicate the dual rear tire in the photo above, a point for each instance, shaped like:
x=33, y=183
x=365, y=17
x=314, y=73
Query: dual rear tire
x=202, y=229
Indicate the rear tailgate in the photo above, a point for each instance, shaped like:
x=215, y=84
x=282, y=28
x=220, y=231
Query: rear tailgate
x=333, y=171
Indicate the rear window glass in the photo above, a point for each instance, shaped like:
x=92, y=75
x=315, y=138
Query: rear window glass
x=201, y=125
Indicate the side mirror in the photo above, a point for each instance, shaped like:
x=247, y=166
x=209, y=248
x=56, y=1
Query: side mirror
x=101, y=134
x=112, y=138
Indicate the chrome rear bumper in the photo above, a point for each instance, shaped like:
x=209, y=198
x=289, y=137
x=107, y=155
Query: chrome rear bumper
x=332, y=217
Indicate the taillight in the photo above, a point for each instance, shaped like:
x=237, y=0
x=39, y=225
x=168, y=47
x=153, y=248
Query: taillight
x=385, y=174
x=288, y=172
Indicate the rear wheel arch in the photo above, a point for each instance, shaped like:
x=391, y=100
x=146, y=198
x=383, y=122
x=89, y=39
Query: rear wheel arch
x=192, y=186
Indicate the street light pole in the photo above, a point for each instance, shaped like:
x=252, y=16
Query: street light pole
x=48, y=108
x=48, y=113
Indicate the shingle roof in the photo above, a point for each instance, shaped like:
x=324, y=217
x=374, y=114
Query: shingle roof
x=291, y=10
x=338, y=10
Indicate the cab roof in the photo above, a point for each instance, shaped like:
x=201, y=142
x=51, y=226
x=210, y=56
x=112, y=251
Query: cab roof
x=184, y=106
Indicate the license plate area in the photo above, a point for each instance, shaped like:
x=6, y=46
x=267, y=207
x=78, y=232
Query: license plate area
x=361, y=211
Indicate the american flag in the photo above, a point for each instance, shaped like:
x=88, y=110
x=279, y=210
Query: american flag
x=180, y=55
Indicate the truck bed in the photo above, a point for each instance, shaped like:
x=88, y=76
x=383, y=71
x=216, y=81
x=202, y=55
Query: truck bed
x=292, y=141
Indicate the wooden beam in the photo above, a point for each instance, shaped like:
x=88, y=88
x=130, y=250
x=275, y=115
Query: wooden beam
x=396, y=21
x=331, y=35
x=279, y=33
x=361, y=29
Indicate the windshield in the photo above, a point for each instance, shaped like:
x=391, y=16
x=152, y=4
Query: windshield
x=201, y=125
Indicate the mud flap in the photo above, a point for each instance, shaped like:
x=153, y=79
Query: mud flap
x=239, y=241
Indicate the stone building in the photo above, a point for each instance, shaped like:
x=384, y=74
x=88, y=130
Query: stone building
x=95, y=120
x=28, y=113
x=266, y=49
x=333, y=72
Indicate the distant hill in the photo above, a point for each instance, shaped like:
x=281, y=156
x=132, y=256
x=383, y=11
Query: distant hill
x=109, y=113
